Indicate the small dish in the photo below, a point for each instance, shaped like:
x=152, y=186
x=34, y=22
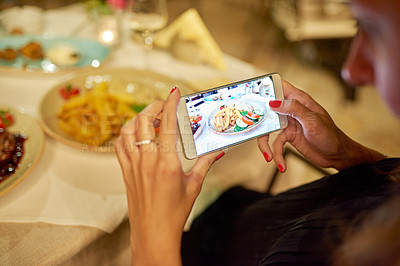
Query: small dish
x=33, y=147
x=23, y=20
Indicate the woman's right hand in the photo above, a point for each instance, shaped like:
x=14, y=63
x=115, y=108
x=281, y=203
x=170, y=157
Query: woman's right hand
x=313, y=133
x=160, y=194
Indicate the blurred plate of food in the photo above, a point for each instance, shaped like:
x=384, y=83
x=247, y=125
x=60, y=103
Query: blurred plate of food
x=50, y=54
x=87, y=110
x=237, y=116
x=223, y=96
x=21, y=146
x=197, y=123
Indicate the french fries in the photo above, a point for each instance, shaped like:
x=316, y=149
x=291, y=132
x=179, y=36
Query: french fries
x=226, y=117
x=96, y=116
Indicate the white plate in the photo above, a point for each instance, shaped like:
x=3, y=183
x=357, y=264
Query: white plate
x=256, y=104
x=129, y=80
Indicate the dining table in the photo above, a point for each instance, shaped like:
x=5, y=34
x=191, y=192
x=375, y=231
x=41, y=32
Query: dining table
x=71, y=208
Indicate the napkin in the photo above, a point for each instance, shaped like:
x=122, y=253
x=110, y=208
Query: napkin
x=189, y=39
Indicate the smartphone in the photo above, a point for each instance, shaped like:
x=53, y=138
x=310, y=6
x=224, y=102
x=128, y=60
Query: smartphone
x=225, y=116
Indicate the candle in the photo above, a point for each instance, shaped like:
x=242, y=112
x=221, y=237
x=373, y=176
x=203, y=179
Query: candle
x=108, y=30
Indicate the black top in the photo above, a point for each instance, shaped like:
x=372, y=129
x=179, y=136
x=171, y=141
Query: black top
x=299, y=227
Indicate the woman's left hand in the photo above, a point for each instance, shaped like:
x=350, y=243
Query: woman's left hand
x=160, y=194
x=313, y=133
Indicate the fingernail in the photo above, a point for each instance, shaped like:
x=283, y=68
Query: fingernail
x=220, y=156
x=173, y=89
x=266, y=156
x=280, y=167
x=275, y=103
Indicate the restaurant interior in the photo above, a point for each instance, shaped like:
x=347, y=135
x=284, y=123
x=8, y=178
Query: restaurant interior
x=305, y=41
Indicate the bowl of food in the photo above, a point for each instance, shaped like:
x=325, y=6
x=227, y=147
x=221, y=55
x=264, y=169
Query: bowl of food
x=20, y=20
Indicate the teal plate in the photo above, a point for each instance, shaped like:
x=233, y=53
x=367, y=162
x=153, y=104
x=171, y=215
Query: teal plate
x=91, y=53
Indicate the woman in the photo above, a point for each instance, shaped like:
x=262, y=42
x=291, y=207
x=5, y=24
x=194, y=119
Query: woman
x=306, y=225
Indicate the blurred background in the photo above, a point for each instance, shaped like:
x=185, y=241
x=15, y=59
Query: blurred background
x=306, y=42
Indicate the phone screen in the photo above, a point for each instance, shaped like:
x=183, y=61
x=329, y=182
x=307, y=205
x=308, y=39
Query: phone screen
x=228, y=115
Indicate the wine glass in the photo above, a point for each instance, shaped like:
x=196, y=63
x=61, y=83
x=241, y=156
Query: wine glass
x=146, y=18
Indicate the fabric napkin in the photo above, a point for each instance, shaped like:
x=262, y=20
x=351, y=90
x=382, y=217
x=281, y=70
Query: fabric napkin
x=189, y=39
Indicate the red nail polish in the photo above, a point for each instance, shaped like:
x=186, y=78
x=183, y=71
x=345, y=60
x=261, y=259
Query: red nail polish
x=280, y=167
x=173, y=89
x=275, y=103
x=266, y=156
x=220, y=156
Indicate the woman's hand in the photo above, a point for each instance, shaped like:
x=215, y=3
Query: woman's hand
x=314, y=134
x=160, y=195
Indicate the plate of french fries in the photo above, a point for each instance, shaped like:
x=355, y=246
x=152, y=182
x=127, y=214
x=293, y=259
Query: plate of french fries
x=88, y=110
x=237, y=117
